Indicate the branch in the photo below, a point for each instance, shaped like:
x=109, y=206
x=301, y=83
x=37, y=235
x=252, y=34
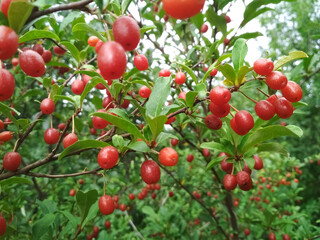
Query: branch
x=134, y=227
x=94, y=172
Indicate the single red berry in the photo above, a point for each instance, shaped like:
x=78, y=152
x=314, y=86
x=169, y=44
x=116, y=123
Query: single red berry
x=246, y=168
x=122, y=207
x=170, y=120
x=220, y=95
x=283, y=107
x=5, y=136
x=115, y=198
x=190, y=158
x=243, y=178
x=46, y=56
x=227, y=18
x=106, y=205
x=98, y=46
x=276, y=80
x=164, y=73
x=247, y=231
x=225, y=166
x=226, y=41
x=51, y=136
x=9, y=42
x=292, y=92
x=181, y=9
x=263, y=66
x=77, y=87
x=107, y=224
x=47, y=106
x=108, y=157
x=93, y=131
x=11, y=161
x=95, y=232
x=166, y=18
x=286, y=237
x=168, y=156
x=32, y=63
x=265, y=110
x=236, y=129
x=107, y=103
x=180, y=78
x=81, y=181
x=126, y=31
x=7, y=84
x=244, y=120
x=272, y=236
x=206, y=152
x=174, y=142
x=3, y=225
x=204, y=28
x=14, y=62
x=99, y=122
x=213, y=122
x=150, y=172
x=214, y=72
x=1, y=125
x=229, y=182
x=171, y=193
x=219, y=110
x=38, y=48
x=125, y=103
x=258, y=165
x=141, y=62
x=273, y=98
x=59, y=51
x=144, y=92
x=61, y=126
x=92, y=41
x=132, y=196
x=72, y=192
x=70, y=139
x=157, y=186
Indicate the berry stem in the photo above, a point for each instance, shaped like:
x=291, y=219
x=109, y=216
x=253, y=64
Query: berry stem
x=51, y=120
x=72, y=123
x=104, y=182
x=107, y=29
x=267, y=95
x=232, y=168
x=247, y=97
x=0, y=64
x=15, y=146
x=154, y=151
x=231, y=114
x=20, y=51
x=233, y=109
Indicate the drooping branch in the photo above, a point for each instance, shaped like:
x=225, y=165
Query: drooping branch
x=42, y=175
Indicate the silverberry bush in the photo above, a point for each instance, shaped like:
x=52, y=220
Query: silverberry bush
x=145, y=119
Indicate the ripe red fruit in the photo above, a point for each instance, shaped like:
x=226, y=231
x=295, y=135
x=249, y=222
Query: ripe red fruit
x=132, y=196
x=46, y=56
x=168, y=156
x=220, y=95
x=11, y=161
x=204, y=28
x=206, y=152
x=81, y=181
x=59, y=51
x=258, y=165
x=99, y=122
x=32, y=63
x=229, y=182
x=125, y=103
x=214, y=72
x=226, y=41
x=263, y=66
x=9, y=42
x=283, y=107
x=61, y=126
x=292, y=92
x=213, y=122
x=150, y=172
x=190, y=158
x=92, y=41
x=112, y=60
x=243, y=178
x=72, y=192
x=141, y=62
x=273, y=98
x=70, y=139
x=144, y=92
x=7, y=84
x=98, y=46
x=107, y=224
x=236, y=129
x=122, y=207
x=106, y=205
x=38, y=48
x=107, y=103
x=126, y=31
x=47, y=106
x=182, y=95
x=272, y=236
x=164, y=73
x=153, y=195
x=3, y=225
x=219, y=110
x=244, y=120
x=276, y=80
x=115, y=198
x=225, y=166
x=157, y=186
x=171, y=193
x=5, y=136
x=174, y=142
x=181, y=9
x=95, y=232
x=171, y=120
x=14, y=62
x=286, y=237
x=108, y=157
x=180, y=78
x=77, y=87
x=227, y=18
x=265, y=110
x=247, y=231
x=51, y=136
x=1, y=125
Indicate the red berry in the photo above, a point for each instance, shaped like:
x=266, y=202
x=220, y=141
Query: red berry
x=126, y=31
x=132, y=196
x=3, y=225
x=236, y=129
x=213, y=122
x=106, y=205
x=108, y=157
x=181, y=9
x=59, y=51
x=220, y=95
x=141, y=62
x=243, y=178
x=247, y=231
x=286, y=237
x=5, y=136
x=164, y=73
x=168, y=156
x=229, y=182
x=107, y=224
x=273, y=98
x=98, y=46
x=258, y=165
x=227, y=18
x=272, y=236
x=225, y=166
x=99, y=122
x=107, y=103
x=47, y=106
x=174, y=142
x=1, y=125
x=244, y=120
x=265, y=110
x=214, y=72
x=95, y=232
x=61, y=126
x=112, y=60
x=276, y=80
x=219, y=110
x=7, y=84
x=190, y=158
x=171, y=193
x=283, y=107
x=122, y=207
x=9, y=42
x=93, y=131
x=51, y=136
x=125, y=103
x=263, y=66
x=115, y=198
x=180, y=78
x=81, y=181
x=144, y=92
x=38, y=48
x=157, y=186
x=77, y=87
x=72, y=192
x=32, y=63
x=150, y=172
x=226, y=41
x=204, y=28
x=292, y=92
x=171, y=120
x=206, y=152
x=46, y=56
x=11, y=161
x=182, y=95
x=246, y=168
x=92, y=41
x=70, y=139
x=14, y=62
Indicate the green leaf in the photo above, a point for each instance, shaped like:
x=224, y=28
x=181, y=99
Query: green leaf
x=292, y=56
x=91, y=84
x=190, y=72
x=142, y=82
x=216, y=20
x=139, y=146
x=73, y=220
x=41, y=227
x=273, y=147
x=214, y=162
x=246, y=36
x=220, y=59
x=72, y=49
x=82, y=144
x=72, y=99
x=38, y=34
x=118, y=141
x=156, y=125
x=239, y=52
x=158, y=96
x=145, y=29
x=228, y=72
x=15, y=180
x=3, y=19
x=86, y=28
x=164, y=137
x=250, y=161
x=190, y=97
x=253, y=14
x=85, y=201
x=121, y=123
x=93, y=212
x=125, y=4
x=216, y=147
x=18, y=14
x=242, y=73
x=7, y=112
x=270, y=132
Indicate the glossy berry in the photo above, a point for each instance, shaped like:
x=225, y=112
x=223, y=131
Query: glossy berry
x=47, y=106
x=225, y=166
x=263, y=66
x=286, y=237
x=174, y=142
x=150, y=172
x=92, y=41
x=107, y=224
x=107, y=103
x=292, y=92
x=9, y=42
x=112, y=60
x=3, y=225
x=38, y=48
x=247, y=231
x=272, y=236
x=168, y=156
x=11, y=161
x=125, y=103
x=141, y=62
x=51, y=136
x=246, y=168
x=154, y=195
x=144, y=92
x=46, y=56
x=219, y=110
x=243, y=178
x=70, y=139
x=72, y=192
x=220, y=95
x=229, y=182
x=213, y=122
x=180, y=78
x=115, y=198
x=132, y=196
x=126, y=31
x=164, y=73
x=61, y=126
x=81, y=181
x=5, y=136
x=77, y=87
x=214, y=72
x=206, y=152
x=226, y=41
x=14, y=62
x=227, y=18
x=106, y=205
x=237, y=129
x=265, y=110
x=258, y=165
x=98, y=46
x=273, y=98
x=283, y=107
x=108, y=157
x=32, y=63
x=7, y=84
x=171, y=120
x=181, y=9
x=171, y=193
x=59, y=51
x=122, y=207
x=276, y=80
x=99, y=122
x=204, y=28
x=190, y=158
x=1, y=125
x=244, y=120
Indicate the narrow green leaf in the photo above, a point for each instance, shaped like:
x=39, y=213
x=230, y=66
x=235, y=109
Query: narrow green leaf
x=246, y=36
x=190, y=72
x=124, y=5
x=145, y=29
x=72, y=49
x=15, y=180
x=69, y=99
x=18, y=14
x=164, y=137
x=142, y=82
x=38, y=34
x=273, y=147
x=249, y=15
x=228, y=72
x=41, y=227
x=220, y=59
x=216, y=147
x=85, y=201
x=239, y=52
x=73, y=220
x=7, y=112
x=190, y=97
x=292, y=56
x=91, y=84
x=93, y=212
x=118, y=141
x=250, y=161
x=242, y=73
x=139, y=146
x=217, y=20
x=3, y=19
x=86, y=28
x=214, y=162
x=156, y=125
x=81, y=145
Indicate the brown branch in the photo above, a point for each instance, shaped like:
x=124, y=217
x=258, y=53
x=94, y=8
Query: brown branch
x=41, y=175
x=234, y=221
